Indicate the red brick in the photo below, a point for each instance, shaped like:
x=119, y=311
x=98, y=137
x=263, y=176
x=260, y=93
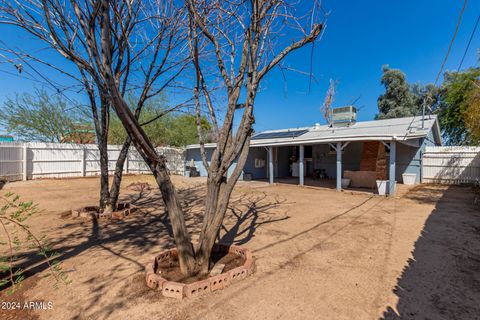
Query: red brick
x=239, y=251
x=248, y=254
x=249, y=265
x=374, y=159
x=220, y=281
x=155, y=281
x=238, y=273
x=118, y=215
x=172, y=289
x=164, y=255
x=149, y=268
x=197, y=288
x=105, y=215
x=179, y=290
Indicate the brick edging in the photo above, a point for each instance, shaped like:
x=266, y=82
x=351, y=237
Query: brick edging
x=123, y=210
x=179, y=290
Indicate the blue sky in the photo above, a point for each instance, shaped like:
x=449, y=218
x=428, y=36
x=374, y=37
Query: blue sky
x=360, y=37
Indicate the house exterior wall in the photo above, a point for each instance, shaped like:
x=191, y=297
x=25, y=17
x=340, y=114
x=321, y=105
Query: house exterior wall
x=197, y=158
x=195, y=155
x=324, y=159
x=256, y=153
x=408, y=159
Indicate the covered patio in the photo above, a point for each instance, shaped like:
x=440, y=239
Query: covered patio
x=363, y=152
x=307, y=178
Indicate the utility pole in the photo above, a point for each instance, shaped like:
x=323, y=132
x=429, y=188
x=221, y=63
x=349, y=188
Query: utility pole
x=423, y=113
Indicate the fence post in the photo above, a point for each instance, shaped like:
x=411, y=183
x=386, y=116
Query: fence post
x=422, y=153
x=126, y=161
x=83, y=163
x=24, y=161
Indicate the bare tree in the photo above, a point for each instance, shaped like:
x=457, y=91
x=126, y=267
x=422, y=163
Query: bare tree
x=105, y=39
x=143, y=64
x=248, y=39
x=244, y=35
x=326, y=107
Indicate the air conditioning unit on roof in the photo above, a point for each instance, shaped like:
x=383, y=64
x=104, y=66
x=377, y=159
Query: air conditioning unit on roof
x=344, y=116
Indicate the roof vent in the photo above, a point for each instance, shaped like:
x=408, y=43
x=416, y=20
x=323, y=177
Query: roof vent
x=344, y=116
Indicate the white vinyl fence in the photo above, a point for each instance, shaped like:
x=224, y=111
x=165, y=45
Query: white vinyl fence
x=452, y=165
x=22, y=161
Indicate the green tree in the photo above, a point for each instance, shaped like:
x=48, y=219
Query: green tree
x=167, y=128
x=42, y=117
x=398, y=99
x=472, y=115
x=181, y=129
x=457, y=90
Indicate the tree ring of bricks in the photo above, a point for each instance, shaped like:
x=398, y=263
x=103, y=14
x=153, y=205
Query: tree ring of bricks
x=179, y=290
x=123, y=210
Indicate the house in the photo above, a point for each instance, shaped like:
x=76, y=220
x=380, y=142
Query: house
x=361, y=151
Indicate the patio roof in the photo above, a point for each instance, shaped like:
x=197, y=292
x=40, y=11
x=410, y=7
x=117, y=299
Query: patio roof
x=398, y=129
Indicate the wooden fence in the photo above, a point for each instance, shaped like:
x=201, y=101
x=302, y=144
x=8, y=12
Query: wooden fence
x=452, y=165
x=22, y=161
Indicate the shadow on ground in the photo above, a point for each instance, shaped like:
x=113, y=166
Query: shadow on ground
x=246, y=214
x=147, y=231
x=442, y=281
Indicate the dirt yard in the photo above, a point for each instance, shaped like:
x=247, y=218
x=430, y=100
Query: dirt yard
x=319, y=254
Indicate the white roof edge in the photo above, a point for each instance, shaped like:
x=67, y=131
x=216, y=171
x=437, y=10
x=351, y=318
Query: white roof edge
x=264, y=142
x=337, y=139
x=373, y=123
x=433, y=119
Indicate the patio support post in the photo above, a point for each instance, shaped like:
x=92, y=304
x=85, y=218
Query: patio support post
x=300, y=164
x=391, y=175
x=339, y=166
x=270, y=164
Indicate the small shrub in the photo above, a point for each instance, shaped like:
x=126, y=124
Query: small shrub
x=16, y=237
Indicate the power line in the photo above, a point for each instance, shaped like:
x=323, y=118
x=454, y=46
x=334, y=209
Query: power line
x=451, y=42
x=48, y=81
x=469, y=42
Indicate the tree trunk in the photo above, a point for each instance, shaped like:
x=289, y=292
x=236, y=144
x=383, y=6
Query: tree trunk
x=186, y=255
x=105, y=203
x=219, y=190
x=117, y=177
x=216, y=204
x=146, y=149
